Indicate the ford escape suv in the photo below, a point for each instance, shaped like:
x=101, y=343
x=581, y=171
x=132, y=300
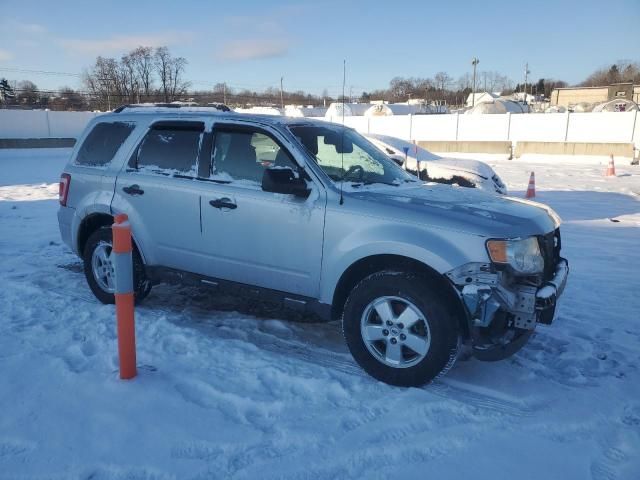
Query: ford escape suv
x=312, y=215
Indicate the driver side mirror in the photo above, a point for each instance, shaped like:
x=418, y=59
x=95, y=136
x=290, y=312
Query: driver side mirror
x=284, y=180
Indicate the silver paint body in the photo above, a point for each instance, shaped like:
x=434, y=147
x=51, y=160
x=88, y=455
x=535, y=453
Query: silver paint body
x=282, y=242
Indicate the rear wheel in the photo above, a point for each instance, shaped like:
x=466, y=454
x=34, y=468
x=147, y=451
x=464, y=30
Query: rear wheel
x=399, y=329
x=99, y=269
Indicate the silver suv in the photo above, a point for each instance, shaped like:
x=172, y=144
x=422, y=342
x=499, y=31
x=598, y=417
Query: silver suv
x=312, y=215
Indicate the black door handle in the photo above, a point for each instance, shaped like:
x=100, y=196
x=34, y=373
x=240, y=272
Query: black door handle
x=223, y=203
x=133, y=190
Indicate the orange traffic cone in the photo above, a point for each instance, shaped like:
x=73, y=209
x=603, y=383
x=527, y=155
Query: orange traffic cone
x=611, y=169
x=531, y=190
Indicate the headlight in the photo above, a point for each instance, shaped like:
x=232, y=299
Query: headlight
x=522, y=255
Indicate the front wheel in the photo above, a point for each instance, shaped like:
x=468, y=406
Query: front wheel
x=99, y=270
x=399, y=329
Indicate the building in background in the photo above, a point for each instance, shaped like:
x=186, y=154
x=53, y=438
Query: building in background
x=568, y=97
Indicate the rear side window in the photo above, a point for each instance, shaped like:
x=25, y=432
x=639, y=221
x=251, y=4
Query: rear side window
x=170, y=149
x=102, y=143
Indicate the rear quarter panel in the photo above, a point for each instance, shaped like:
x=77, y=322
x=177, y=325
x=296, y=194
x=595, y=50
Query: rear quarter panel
x=91, y=188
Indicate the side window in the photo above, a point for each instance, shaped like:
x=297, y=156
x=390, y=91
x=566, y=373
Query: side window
x=323, y=145
x=102, y=143
x=169, y=150
x=244, y=155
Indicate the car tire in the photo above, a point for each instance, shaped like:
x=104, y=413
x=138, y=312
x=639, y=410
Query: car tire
x=100, y=242
x=421, y=341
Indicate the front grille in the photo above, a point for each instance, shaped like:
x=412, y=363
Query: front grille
x=550, y=245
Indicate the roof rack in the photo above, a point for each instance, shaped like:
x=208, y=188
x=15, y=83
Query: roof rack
x=221, y=107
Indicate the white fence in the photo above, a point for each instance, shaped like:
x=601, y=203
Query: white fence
x=605, y=127
x=42, y=123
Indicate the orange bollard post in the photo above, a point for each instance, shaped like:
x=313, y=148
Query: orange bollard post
x=531, y=189
x=123, y=266
x=611, y=168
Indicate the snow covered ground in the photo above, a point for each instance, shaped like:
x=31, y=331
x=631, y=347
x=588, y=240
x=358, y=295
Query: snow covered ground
x=231, y=389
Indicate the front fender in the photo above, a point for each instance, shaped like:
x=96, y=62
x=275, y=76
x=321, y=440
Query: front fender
x=441, y=250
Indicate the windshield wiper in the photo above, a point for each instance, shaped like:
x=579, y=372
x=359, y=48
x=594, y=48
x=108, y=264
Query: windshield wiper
x=360, y=184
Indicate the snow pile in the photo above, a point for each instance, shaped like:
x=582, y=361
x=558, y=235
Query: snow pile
x=338, y=109
x=229, y=388
x=386, y=110
x=298, y=111
x=497, y=106
x=617, y=105
x=260, y=110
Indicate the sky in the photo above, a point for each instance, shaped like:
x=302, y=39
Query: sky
x=253, y=43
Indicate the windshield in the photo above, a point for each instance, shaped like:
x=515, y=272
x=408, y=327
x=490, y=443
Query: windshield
x=346, y=155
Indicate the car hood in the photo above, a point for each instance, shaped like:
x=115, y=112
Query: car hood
x=415, y=153
x=474, y=167
x=462, y=209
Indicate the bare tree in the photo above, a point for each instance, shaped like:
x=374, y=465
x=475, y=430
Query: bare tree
x=162, y=60
x=128, y=79
x=170, y=72
x=142, y=58
x=178, y=85
x=68, y=99
x=27, y=93
x=621, y=71
x=442, y=80
x=400, y=89
x=103, y=82
x=464, y=82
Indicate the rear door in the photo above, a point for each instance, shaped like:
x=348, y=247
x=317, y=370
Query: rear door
x=255, y=237
x=158, y=189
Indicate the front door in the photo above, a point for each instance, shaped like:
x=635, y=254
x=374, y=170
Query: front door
x=256, y=237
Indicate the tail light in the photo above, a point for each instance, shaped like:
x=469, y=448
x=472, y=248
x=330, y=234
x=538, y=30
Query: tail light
x=63, y=193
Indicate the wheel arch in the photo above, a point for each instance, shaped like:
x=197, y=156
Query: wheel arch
x=366, y=266
x=93, y=222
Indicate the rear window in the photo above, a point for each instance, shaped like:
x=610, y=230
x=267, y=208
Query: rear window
x=170, y=150
x=102, y=143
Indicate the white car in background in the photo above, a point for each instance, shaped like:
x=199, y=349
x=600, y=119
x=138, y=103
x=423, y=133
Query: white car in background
x=466, y=173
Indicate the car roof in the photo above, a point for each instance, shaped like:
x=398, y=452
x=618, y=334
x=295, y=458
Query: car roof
x=199, y=112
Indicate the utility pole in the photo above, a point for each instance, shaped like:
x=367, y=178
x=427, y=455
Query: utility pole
x=224, y=93
x=526, y=76
x=281, y=95
x=475, y=63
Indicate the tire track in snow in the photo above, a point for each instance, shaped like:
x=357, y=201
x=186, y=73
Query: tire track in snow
x=313, y=354
x=619, y=459
x=10, y=447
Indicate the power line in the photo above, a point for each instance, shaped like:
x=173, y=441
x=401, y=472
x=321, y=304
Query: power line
x=40, y=72
x=126, y=97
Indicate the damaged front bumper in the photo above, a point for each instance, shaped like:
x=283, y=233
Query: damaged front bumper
x=502, y=312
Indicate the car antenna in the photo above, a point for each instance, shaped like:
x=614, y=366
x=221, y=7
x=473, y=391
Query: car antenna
x=344, y=79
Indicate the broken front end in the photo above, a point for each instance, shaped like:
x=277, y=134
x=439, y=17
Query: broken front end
x=506, y=298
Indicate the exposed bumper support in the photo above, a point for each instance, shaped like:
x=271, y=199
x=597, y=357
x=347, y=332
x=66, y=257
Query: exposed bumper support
x=484, y=293
x=547, y=296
